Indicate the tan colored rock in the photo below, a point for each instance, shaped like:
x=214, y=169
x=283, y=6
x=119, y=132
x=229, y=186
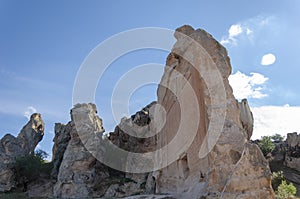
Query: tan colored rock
x=80, y=172
x=293, y=140
x=292, y=156
x=195, y=65
x=246, y=117
x=202, y=130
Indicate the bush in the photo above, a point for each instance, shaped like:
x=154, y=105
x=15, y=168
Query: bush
x=277, y=178
x=29, y=167
x=285, y=190
x=266, y=145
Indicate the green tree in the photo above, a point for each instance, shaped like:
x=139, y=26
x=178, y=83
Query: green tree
x=29, y=167
x=266, y=145
x=277, y=137
x=285, y=190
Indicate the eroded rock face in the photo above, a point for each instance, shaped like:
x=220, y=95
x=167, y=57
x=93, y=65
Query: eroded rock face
x=61, y=141
x=79, y=172
x=246, y=117
x=286, y=158
x=213, y=158
x=231, y=159
x=12, y=147
x=292, y=158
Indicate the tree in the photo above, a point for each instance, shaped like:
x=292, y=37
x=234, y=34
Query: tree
x=286, y=190
x=266, y=145
x=277, y=137
x=29, y=167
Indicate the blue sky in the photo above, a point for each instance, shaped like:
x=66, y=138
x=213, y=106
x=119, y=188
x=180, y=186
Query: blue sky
x=43, y=43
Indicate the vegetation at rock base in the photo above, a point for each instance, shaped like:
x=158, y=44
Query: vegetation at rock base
x=277, y=178
x=30, y=167
x=285, y=190
x=266, y=145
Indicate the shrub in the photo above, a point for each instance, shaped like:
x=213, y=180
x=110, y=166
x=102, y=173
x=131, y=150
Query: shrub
x=29, y=167
x=266, y=145
x=277, y=178
x=286, y=190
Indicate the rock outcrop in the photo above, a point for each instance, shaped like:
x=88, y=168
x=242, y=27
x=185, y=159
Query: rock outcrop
x=192, y=143
x=292, y=158
x=79, y=172
x=12, y=147
x=200, y=129
x=216, y=164
x=61, y=141
x=286, y=158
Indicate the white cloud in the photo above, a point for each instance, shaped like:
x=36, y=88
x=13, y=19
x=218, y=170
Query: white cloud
x=268, y=59
x=248, y=29
x=233, y=32
x=245, y=86
x=269, y=120
x=30, y=110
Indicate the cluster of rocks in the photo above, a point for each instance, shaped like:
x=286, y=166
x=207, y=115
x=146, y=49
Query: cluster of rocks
x=201, y=128
x=286, y=158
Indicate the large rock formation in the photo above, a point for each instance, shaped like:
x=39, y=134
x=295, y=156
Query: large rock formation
x=80, y=174
x=12, y=147
x=230, y=167
x=192, y=143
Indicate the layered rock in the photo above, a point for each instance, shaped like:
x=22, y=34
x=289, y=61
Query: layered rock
x=221, y=162
x=12, y=147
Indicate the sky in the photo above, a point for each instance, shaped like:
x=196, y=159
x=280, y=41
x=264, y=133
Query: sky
x=43, y=44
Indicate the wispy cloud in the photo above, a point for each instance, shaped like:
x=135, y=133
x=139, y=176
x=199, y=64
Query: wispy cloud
x=268, y=59
x=30, y=110
x=233, y=32
x=245, y=86
x=247, y=29
x=269, y=120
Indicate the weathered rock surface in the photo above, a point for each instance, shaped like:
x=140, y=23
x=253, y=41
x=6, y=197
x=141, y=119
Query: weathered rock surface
x=199, y=129
x=286, y=158
x=12, y=147
x=79, y=171
x=61, y=141
x=80, y=174
x=231, y=165
x=292, y=158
